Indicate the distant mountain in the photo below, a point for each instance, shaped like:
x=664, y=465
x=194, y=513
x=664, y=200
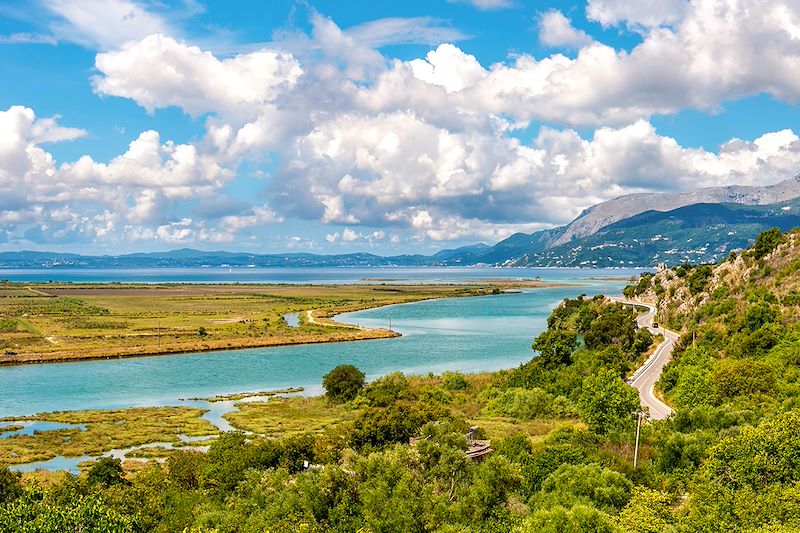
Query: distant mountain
x=607, y=213
x=637, y=229
x=632, y=230
x=199, y=258
x=464, y=251
x=698, y=233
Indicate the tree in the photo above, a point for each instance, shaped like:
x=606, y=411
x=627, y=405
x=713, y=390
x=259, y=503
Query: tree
x=184, y=469
x=343, y=383
x=742, y=377
x=648, y=511
x=615, y=325
x=454, y=381
x=106, y=472
x=590, y=484
x=555, y=347
x=699, y=278
x=606, y=402
x=578, y=519
x=767, y=241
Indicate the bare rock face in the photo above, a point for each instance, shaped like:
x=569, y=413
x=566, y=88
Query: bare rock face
x=606, y=213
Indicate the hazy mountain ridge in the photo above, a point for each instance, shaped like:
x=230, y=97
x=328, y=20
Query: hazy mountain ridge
x=633, y=230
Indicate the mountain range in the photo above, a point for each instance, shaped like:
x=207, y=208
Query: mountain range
x=641, y=229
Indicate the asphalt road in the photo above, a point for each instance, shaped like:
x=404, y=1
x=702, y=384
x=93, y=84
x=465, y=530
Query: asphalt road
x=645, y=377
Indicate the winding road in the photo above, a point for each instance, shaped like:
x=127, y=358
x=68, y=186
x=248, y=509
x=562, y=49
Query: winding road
x=645, y=377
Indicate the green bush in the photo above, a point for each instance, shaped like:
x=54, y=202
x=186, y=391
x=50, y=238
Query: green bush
x=343, y=383
x=527, y=404
x=388, y=389
x=454, y=381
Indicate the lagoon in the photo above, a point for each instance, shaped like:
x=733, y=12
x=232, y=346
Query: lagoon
x=461, y=334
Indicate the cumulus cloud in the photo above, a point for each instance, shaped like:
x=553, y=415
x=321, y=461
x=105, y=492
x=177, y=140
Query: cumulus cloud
x=448, y=67
x=358, y=169
x=556, y=30
x=710, y=56
x=86, y=200
x=159, y=71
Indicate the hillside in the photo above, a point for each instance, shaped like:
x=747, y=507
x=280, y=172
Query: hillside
x=735, y=379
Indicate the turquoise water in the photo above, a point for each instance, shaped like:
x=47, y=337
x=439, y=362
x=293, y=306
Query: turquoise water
x=296, y=275
x=465, y=334
x=29, y=428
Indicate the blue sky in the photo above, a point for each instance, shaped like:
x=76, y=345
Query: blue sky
x=388, y=127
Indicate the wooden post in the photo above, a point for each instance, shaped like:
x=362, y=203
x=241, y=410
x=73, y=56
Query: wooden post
x=636, y=446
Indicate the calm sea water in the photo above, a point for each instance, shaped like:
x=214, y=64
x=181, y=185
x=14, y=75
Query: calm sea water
x=464, y=334
x=298, y=275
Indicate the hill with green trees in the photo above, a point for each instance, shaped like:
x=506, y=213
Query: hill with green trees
x=562, y=428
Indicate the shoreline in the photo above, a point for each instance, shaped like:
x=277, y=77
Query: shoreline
x=320, y=317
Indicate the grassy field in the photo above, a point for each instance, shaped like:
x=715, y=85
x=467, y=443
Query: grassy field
x=59, y=322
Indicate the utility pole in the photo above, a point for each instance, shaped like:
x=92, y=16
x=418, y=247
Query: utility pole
x=636, y=446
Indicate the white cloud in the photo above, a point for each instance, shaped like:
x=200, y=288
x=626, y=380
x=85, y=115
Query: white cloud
x=86, y=200
x=712, y=55
x=349, y=235
x=448, y=67
x=397, y=30
x=556, y=30
x=424, y=145
x=28, y=38
x=637, y=13
x=259, y=216
x=104, y=24
x=485, y=183
x=485, y=5
x=159, y=71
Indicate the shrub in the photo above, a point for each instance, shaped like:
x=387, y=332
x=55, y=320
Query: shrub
x=387, y=389
x=742, y=377
x=698, y=279
x=527, y=404
x=454, y=381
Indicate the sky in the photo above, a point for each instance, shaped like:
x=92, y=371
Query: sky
x=388, y=127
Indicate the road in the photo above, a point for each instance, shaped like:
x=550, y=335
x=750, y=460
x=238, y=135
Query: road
x=645, y=377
